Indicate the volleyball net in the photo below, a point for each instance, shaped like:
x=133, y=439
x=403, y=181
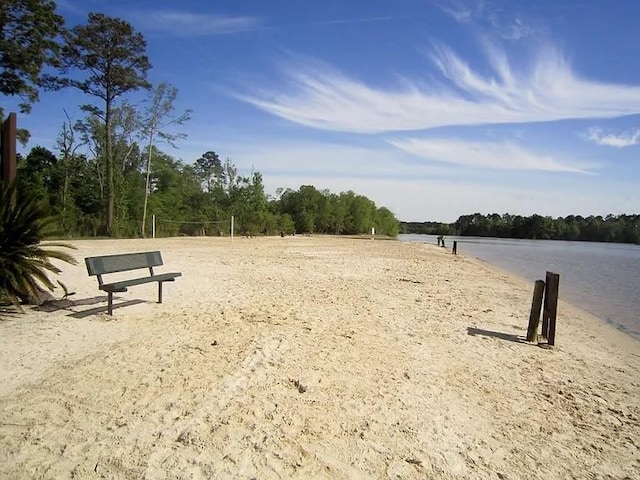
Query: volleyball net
x=165, y=227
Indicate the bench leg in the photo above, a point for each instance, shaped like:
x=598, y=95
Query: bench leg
x=110, y=303
x=159, y=292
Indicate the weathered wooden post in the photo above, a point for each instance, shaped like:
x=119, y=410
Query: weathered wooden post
x=455, y=247
x=536, y=307
x=8, y=148
x=550, y=311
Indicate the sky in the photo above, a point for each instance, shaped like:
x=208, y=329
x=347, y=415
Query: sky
x=431, y=108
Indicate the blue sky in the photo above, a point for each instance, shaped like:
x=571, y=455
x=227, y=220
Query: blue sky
x=432, y=108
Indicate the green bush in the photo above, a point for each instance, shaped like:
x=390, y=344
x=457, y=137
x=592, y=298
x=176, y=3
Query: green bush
x=24, y=259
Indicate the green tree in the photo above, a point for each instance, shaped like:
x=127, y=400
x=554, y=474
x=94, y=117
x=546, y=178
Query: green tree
x=87, y=202
x=210, y=169
x=159, y=114
x=69, y=164
x=37, y=174
x=28, y=32
x=249, y=205
x=307, y=208
x=175, y=195
x=109, y=58
x=91, y=131
x=126, y=126
x=386, y=222
x=360, y=213
x=286, y=224
x=573, y=227
x=338, y=214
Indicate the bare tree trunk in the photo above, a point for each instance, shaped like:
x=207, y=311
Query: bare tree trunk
x=111, y=194
x=146, y=189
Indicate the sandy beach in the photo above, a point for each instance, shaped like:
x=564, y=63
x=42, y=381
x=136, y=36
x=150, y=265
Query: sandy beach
x=312, y=357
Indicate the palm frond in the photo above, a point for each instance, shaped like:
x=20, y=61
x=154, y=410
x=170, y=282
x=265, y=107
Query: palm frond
x=25, y=260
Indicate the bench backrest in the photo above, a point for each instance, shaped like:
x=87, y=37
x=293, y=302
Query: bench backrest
x=122, y=262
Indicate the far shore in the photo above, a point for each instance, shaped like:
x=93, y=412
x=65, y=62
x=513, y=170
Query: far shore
x=312, y=357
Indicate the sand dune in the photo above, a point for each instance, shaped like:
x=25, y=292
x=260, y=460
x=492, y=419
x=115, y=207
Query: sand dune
x=312, y=357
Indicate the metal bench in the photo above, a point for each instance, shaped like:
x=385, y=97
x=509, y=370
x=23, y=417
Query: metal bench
x=125, y=262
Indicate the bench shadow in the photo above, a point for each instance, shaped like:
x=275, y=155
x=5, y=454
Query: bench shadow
x=473, y=331
x=9, y=311
x=67, y=304
x=104, y=309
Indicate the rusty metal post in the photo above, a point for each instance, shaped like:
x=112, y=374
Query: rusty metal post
x=8, y=148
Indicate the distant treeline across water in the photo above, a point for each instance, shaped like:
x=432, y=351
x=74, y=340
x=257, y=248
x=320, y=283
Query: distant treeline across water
x=612, y=228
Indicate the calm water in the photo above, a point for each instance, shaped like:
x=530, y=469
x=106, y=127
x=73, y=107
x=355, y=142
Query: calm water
x=601, y=278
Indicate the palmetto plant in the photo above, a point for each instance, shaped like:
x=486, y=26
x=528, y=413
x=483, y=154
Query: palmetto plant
x=24, y=259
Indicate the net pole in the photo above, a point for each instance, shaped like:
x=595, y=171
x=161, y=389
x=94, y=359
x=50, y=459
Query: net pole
x=232, y=219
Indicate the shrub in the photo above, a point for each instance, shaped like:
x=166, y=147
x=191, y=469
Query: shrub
x=24, y=259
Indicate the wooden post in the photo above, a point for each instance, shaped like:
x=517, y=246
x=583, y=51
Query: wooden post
x=8, y=151
x=550, y=311
x=455, y=248
x=536, y=307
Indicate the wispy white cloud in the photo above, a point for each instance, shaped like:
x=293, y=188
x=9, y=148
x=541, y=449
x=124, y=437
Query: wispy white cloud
x=486, y=15
x=320, y=97
x=312, y=160
x=511, y=29
x=349, y=21
x=504, y=155
x=621, y=140
x=183, y=23
x=462, y=11
x=422, y=199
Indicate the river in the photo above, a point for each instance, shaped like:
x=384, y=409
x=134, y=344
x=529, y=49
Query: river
x=601, y=278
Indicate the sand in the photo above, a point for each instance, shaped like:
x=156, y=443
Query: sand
x=313, y=357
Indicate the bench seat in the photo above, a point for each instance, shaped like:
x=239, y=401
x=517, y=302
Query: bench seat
x=121, y=286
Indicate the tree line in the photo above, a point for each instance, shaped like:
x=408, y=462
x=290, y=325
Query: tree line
x=108, y=173
x=189, y=199
x=612, y=228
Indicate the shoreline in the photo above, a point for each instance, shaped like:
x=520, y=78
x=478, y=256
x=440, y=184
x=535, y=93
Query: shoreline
x=578, y=293
x=566, y=303
x=313, y=357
